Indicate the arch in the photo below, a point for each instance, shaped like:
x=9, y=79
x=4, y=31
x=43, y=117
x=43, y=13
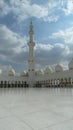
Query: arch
x=69, y=81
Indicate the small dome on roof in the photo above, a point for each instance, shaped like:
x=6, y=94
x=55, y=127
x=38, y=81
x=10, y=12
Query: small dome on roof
x=39, y=72
x=27, y=73
x=48, y=70
x=11, y=72
x=23, y=73
x=71, y=65
x=58, y=68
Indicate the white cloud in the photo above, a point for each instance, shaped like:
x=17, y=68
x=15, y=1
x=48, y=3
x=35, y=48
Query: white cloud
x=11, y=45
x=24, y=9
x=62, y=52
x=45, y=54
x=45, y=47
x=66, y=35
x=51, y=18
x=4, y=8
x=67, y=7
x=52, y=54
x=57, y=34
x=52, y=4
x=13, y=38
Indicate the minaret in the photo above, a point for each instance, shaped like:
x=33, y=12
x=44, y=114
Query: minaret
x=31, y=69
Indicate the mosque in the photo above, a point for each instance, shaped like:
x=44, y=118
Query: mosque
x=33, y=78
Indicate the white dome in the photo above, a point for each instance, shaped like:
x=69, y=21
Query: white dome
x=11, y=72
x=58, y=68
x=23, y=74
x=39, y=72
x=47, y=70
x=27, y=74
x=71, y=65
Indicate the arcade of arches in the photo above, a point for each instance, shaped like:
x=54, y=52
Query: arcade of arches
x=63, y=82
x=13, y=84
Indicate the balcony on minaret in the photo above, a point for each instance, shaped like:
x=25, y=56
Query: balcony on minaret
x=31, y=44
x=31, y=61
x=31, y=29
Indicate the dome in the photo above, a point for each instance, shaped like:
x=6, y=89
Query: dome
x=11, y=72
x=47, y=70
x=71, y=65
x=23, y=74
x=58, y=68
x=39, y=72
x=27, y=73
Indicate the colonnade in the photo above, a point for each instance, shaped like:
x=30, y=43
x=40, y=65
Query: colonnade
x=63, y=82
x=13, y=84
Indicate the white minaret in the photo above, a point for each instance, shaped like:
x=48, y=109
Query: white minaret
x=31, y=68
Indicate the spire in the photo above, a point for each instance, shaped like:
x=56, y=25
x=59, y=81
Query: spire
x=31, y=32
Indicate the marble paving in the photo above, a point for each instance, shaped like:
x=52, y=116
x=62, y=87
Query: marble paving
x=36, y=109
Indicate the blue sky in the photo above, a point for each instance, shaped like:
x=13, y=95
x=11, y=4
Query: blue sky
x=53, y=33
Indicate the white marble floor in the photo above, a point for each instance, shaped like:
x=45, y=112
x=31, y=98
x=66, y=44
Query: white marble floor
x=36, y=109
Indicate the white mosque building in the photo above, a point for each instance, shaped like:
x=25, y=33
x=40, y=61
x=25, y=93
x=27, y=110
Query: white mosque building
x=45, y=78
